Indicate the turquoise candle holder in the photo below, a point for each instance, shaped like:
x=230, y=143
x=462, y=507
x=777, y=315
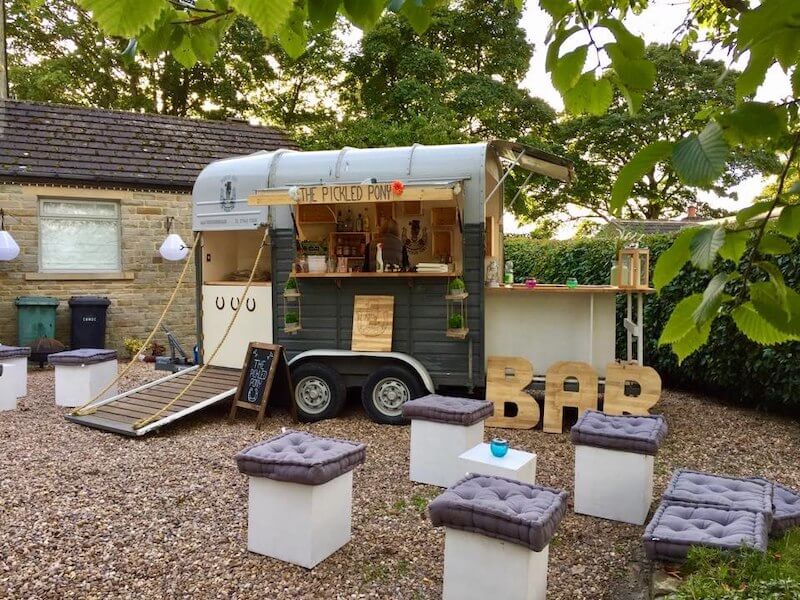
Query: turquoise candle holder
x=499, y=447
x=572, y=283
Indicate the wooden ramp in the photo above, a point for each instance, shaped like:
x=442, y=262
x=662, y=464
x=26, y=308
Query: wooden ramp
x=118, y=414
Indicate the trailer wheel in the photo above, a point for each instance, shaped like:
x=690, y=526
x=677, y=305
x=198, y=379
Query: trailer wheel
x=386, y=390
x=319, y=392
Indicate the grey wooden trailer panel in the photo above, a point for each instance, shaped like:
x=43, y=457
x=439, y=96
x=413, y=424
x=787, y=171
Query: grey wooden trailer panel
x=420, y=312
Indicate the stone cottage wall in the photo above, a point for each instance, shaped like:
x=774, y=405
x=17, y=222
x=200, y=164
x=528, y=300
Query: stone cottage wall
x=138, y=294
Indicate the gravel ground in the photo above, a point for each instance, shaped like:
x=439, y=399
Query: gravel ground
x=87, y=514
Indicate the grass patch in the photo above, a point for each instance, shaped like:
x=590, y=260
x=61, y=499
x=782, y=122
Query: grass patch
x=745, y=574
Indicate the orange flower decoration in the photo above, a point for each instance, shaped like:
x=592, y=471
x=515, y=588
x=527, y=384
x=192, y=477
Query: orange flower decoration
x=398, y=187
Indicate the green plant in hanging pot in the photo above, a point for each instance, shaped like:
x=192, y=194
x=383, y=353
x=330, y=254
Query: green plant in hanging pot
x=457, y=286
x=291, y=285
x=456, y=321
x=291, y=318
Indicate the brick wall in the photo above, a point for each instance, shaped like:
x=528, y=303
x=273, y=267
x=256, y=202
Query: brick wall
x=137, y=295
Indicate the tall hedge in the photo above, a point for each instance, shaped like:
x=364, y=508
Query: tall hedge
x=730, y=366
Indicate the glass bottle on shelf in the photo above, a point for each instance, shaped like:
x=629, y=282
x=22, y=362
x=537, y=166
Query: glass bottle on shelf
x=348, y=221
x=366, y=223
x=339, y=222
x=359, y=223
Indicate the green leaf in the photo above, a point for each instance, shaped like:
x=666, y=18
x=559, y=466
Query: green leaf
x=754, y=121
x=418, y=14
x=783, y=315
x=753, y=76
x=204, y=43
x=778, y=283
x=184, y=53
x=692, y=341
x=705, y=246
x=568, y=69
x=756, y=328
x=631, y=45
x=322, y=13
x=636, y=168
x=556, y=8
x=713, y=297
x=124, y=18
x=163, y=36
x=758, y=208
x=589, y=95
x=700, y=159
x=292, y=35
x=796, y=81
x=681, y=331
x=774, y=244
x=671, y=261
x=268, y=15
x=789, y=221
x=554, y=47
x=635, y=74
x=364, y=13
x=680, y=322
x=735, y=245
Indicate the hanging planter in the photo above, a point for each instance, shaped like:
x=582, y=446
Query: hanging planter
x=291, y=306
x=457, y=309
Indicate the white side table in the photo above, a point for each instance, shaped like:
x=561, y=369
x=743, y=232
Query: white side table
x=8, y=387
x=516, y=464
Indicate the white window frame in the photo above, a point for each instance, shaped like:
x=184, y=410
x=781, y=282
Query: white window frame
x=117, y=218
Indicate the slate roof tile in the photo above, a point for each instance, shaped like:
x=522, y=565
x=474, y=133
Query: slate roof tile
x=94, y=146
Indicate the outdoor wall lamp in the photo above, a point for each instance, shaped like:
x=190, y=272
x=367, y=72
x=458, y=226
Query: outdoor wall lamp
x=9, y=249
x=173, y=248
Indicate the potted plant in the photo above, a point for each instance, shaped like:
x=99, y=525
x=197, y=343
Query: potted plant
x=456, y=321
x=315, y=253
x=133, y=346
x=457, y=286
x=291, y=320
x=290, y=288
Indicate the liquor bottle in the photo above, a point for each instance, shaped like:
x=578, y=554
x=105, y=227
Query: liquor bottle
x=349, y=220
x=339, y=223
x=359, y=223
x=366, y=223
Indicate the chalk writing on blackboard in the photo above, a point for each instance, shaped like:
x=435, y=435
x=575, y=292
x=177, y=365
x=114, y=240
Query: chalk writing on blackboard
x=262, y=364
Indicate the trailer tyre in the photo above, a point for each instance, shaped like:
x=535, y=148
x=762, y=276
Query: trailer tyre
x=319, y=392
x=386, y=390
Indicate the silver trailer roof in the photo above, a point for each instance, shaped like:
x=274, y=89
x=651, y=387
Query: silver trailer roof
x=221, y=190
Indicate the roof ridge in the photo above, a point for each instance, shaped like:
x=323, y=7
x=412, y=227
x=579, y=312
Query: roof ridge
x=55, y=106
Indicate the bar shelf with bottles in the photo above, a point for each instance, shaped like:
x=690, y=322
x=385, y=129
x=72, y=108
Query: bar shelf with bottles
x=348, y=244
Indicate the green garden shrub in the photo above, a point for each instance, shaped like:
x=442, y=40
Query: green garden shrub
x=729, y=366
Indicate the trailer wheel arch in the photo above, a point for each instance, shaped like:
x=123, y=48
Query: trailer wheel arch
x=375, y=359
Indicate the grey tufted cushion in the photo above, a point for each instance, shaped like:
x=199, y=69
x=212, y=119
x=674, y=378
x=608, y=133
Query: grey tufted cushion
x=785, y=508
x=83, y=356
x=707, y=489
x=301, y=457
x=14, y=351
x=447, y=409
x=640, y=434
x=501, y=508
x=676, y=527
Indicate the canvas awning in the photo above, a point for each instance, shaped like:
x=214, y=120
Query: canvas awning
x=357, y=192
x=535, y=161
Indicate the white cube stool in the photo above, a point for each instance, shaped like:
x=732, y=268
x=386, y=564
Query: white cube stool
x=442, y=428
x=82, y=374
x=614, y=458
x=516, y=464
x=8, y=387
x=300, y=498
x=497, y=537
x=17, y=357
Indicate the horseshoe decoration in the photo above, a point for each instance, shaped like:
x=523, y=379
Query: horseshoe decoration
x=238, y=302
x=217, y=302
x=247, y=304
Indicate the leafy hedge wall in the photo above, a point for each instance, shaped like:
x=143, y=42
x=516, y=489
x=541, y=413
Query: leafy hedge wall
x=729, y=366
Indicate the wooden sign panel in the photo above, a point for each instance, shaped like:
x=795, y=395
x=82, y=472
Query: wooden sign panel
x=506, y=378
x=373, y=320
x=616, y=402
x=263, y=365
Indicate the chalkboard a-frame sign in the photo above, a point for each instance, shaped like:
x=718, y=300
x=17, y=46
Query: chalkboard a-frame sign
x=264, y=365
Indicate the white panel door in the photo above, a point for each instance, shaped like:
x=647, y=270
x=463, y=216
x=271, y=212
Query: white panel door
x=254, y=323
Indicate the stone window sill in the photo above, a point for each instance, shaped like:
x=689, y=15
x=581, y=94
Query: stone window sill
x=118, y=276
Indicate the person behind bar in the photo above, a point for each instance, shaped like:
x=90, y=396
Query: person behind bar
x=393, y=250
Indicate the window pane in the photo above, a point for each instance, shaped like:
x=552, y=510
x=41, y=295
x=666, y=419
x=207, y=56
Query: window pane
x=65, y=208
x=80, y=245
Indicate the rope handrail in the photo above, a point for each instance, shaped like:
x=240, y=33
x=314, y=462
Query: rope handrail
x=154, y=417
x=82, y=410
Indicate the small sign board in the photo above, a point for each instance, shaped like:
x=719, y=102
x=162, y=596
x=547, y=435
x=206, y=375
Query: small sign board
x=264, y=367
